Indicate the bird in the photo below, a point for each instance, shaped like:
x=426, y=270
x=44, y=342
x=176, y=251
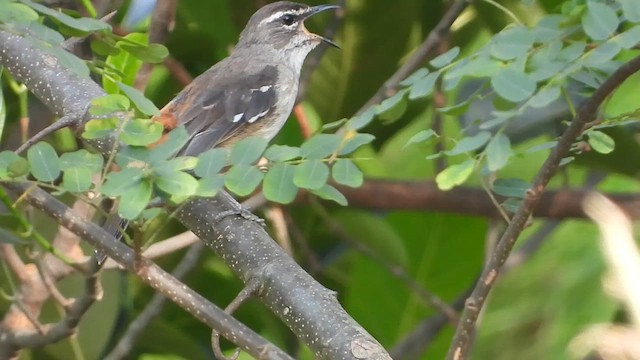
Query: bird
x=249, y=93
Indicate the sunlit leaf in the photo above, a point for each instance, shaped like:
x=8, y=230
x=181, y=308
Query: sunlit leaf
x=108, y=104
x=139, y=100
x=210, y=186
x=455, y=175
x=99, y=128
x=176, y=183
x=141, y=132
x=601, y=142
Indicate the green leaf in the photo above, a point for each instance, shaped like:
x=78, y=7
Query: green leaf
x=211, y=162
x=153, y=53
x=99, y=128
x=210, y=186
x=281, y=153
x=601, y=142
x=328, y=192
x=123, y=66
x=133, y=154
x=455, y=175
x=600, y=21
x=104, y=45
x=512, y=187
x=76, y=179
x=424, y=86
x=311, y=174
x=108, y=104
x=248, y=150
x=470, y=143
x=417, y=75
x=44, y=162
x=176, y=183
x=392, y=108
x=345, y=172
x=512, y=43
x=455, y=110
x=355, y=142
x=278, y=184
x=545, y=97
x=513, y=85
x=631, y=10
x=421, y=136
x=12, y=165
x=362, y=120
x=81, y=159
x=243, y=179
x=117, y=183
x=139, y=100
x=134, y=200
x=629, y=38
x=498, y=152
x=84, y=25
x=141, y=132
x=17, y=13
x=175, y=140
x=446, y=58
x=320, y=146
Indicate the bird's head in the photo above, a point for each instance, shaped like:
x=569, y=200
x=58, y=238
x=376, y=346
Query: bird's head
x=281, y=25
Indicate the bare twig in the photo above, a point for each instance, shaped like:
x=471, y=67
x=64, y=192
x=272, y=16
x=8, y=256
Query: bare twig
x=123, y=348
x=426, y=49
x=466, y=329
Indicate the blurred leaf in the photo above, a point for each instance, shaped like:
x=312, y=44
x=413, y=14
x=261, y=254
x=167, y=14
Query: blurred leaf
x=44, y=162
x=470, y=143
x=248, y=150
x=311, y=174
x=117, y=183
x=417, y=75
x=601, y=142
x=392, y=108
x=81, y=24
x=421, y=136
x=362, y=120
x=629, y=38
x=424, y=86
x=328, y=192
x=631, y=10
x=175, y=140
x=210, y=186
x=512, y=187
x=153, y=53
x=278, y=184
x=243, y=179
x=455, y=175
x=211, y=162
x=139, y=100
x=99, y=128
x=76, y=179
x=544, y=97
x=16, y=13
x=7, y=237
x=600, y=21
x=12, y=165
x=455, y=110
x=355, y=142
x=282, y=153
x=81, y=159
x=104, y=45
x=512, y=43
x=108, y=104
x=498, y=152
x=513, y=85
x=345, y=172
x=134, y=200
x=141, y=132
x=320, y=146
x=176, y=183
x=446, y=58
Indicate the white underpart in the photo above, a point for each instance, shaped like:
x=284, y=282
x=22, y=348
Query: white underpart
x=237, y=117
x=253, y=119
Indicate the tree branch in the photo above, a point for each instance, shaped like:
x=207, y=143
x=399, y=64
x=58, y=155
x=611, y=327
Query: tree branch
x=309, y=309
x=466, y=328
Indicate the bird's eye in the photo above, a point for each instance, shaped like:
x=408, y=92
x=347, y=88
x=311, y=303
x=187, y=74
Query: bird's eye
x=288, y=19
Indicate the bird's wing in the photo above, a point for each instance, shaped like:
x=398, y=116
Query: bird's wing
x=213, y=113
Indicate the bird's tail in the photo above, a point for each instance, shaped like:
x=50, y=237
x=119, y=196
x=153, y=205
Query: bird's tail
x=116, y=226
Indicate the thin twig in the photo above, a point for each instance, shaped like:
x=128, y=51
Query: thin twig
x=465, y=331
x=426, y=49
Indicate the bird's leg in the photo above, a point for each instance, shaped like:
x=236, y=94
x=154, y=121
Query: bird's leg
x=238, y=210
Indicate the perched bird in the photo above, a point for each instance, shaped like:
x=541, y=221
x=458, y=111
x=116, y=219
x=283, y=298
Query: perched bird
x=249, y=93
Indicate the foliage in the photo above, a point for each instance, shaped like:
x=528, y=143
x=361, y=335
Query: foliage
x=483, y=113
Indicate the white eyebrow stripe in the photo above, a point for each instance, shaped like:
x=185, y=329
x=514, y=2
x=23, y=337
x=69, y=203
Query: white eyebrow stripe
x=280, y=13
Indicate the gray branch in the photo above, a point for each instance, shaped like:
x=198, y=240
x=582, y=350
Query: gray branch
x=310, y=310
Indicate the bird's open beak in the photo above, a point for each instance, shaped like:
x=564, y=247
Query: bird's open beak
x=316, y=9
